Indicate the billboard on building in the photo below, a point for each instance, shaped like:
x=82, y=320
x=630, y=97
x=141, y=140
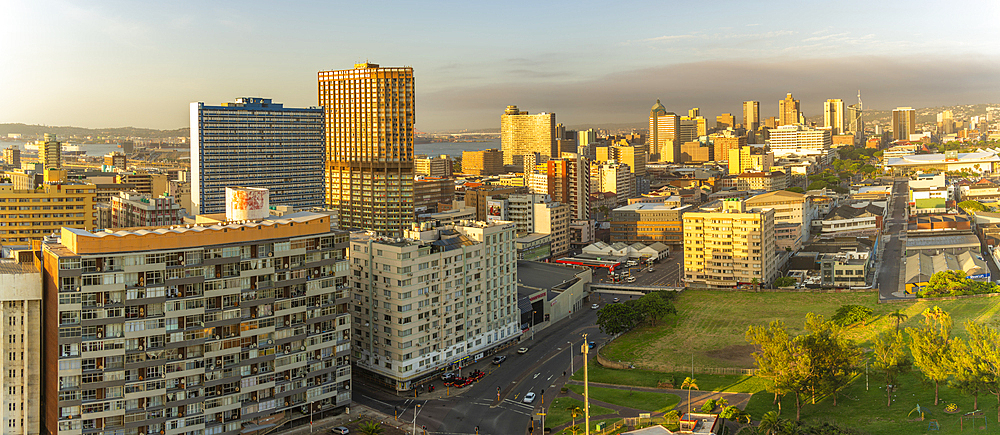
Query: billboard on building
x=243, y=203
x=496, y=210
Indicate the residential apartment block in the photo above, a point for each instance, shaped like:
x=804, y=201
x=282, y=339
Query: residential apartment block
x=648, y=223
x=131, y=209
x=485, y=162
x=725, y=246
x=793, y=215
x=31, y=214
x=253, y=142
x=212, y=328
x=369, y=116
x=522, y=134
x=432, y=300
x=439, y=166
x=21, y=345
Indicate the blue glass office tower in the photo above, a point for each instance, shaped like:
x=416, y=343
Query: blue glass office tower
x=256, y=143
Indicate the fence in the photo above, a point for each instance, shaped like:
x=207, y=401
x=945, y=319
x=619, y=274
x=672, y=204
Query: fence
x=942, y=298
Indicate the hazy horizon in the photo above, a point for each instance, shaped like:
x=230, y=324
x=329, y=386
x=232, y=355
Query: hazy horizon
x=104, y=64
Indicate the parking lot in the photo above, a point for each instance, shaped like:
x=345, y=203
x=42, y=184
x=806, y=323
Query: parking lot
x=666, y=273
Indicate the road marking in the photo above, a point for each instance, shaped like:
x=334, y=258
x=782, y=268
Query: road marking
x=536, y=376
x=550, y=378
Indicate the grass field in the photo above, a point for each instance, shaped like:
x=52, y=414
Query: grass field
x=711, y=325
x=641, y=400
x=558, y=415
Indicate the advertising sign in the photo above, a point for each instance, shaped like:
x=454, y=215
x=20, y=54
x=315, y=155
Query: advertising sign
x=243, y=203
x=496, y=210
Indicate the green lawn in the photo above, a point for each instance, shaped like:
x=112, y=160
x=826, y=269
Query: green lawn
x=866, y=410
x=711, y=325
x=557, y=414
x=649, y=378
x=642, y=400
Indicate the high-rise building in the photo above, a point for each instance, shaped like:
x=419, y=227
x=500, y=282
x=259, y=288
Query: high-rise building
x=253, y=142
x=69, y=204
x=49, y=152
x=793, y=215
x=12, y=156
x=568, y=180
x=630, y=155
x=855, y=124
x=724, y=141
x=725, y=246
x=695, y=152
x=586, y=137
x=21, y=328
x=369, y=146
x=693, y=112
x=788, y=111
x=220, y=325
x=132, y=209
x=834, y=115
x=522, y=134
x=689, y=130
x=611, y=176
x=485, y=162
x=664, y=129
x=946, y=122
x=648, y=223
x=115, y=161
x=430, y=193
x=747, y=158
x=724, y=121
x=439, y=166
x=751, y=115
x=433, y=300
x=904, y=123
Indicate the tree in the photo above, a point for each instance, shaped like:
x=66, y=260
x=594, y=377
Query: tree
x=971, y=207
x=575, y=429
x=782, y=360
x=984, y=345
x=574, y=412
x=832, y=356
x=689, y=383
x=930, y=345
x=371, y=427
x=890, y=359
x=900, y=316
x=965, y=366
x=652, y=306
x=618, y=318
x=770, y=423
x=784, y=281
x=796, y=189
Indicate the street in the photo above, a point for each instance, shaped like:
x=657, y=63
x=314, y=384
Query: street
x=460, y=411
x=666, y=273
x=889, y=286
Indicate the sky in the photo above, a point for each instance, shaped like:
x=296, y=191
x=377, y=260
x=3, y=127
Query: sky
x=132, y=63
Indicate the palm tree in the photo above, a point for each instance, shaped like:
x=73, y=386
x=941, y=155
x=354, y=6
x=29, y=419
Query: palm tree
x=722, y=403
x=770, y=423
x=574, y=412
x=900, y=316
x=575, y=429
x=371, y=427
x=689, y=383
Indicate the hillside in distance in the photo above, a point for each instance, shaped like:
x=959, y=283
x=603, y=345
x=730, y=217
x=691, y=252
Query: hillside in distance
x=35, y=131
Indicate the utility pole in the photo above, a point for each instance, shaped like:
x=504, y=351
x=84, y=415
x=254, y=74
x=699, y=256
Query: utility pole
x=586, y=386
x=570, y=358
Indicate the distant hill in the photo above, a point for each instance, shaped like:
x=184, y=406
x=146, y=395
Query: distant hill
x=31, y=131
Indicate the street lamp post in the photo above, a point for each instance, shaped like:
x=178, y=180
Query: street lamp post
x=533, y=325
x=570, y=343
x=415, y=410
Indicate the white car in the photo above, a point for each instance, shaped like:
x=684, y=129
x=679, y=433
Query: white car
x=522, y=351
x=630, y=279
x=594, y=307
x=530, y=397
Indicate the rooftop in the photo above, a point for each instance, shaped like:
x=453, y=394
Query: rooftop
x=650, y=206
x=942, y=242
x=545, y=275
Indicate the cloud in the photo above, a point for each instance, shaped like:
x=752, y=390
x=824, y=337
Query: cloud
x=720, y=87
x=825, y=37
x=667, y=38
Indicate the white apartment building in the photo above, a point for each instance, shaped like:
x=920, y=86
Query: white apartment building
x=793, y=215
x=20, y=347
x=725, y=246
x=795, y=138
x=439, y=298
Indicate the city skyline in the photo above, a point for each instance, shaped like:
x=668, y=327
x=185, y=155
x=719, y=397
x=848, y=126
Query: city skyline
x=109, y=64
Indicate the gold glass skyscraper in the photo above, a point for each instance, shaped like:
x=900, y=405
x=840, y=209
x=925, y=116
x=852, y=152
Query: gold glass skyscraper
x=369, y=146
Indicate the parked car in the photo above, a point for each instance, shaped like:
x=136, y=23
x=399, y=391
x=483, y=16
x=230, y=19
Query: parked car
x=499, y=359
x=591, y=344
x=522, y=351
x=530, y=397
x=340, y=430
x=615, y=300
x=594, y=307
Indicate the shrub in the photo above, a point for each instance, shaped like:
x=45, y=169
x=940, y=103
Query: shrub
x=708, y=406
x=851, y=314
